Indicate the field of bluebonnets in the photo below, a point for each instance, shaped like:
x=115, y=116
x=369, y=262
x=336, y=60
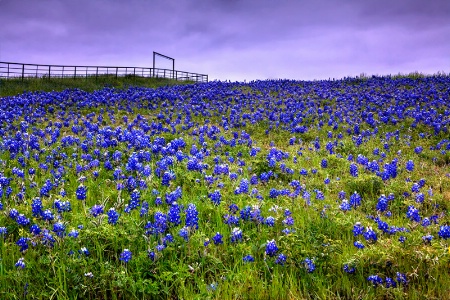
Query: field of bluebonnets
x=270, y=189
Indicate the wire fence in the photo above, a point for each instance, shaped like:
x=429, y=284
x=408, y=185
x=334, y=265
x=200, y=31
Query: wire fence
x=10, y=70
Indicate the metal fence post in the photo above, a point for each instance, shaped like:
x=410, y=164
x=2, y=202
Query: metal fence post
x=75, y=73
x=117, y=69
x=7, y=76
x=49, y=71
x=96, y=74
x=23, y=71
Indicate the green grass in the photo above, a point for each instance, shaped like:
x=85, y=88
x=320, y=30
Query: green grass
x=11, y=87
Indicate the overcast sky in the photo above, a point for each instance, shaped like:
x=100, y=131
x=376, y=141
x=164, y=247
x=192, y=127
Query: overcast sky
x=233, y=39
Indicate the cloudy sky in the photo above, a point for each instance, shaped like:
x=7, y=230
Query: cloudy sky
x=233, y=39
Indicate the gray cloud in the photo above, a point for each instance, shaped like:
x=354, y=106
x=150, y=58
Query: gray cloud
x=233, y=39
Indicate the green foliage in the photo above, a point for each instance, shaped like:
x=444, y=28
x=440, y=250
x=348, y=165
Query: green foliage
x=11, y=87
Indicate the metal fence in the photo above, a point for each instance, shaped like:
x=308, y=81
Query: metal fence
x=10, y=70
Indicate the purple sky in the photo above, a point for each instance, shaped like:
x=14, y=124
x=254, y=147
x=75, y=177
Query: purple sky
x=233, y=39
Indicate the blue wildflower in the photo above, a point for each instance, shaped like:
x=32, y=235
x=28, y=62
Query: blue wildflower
x=358, y=245
x=444, y=232
x=236, y=235
x=20, y=263
x=271, y=248
x=281, y=259
x=309, y=265
x=375, y=280
x=354, y=170
x=96, y=210
x=409, y=166
x=184, y=233
x=125, y=256
x=113, y=216
x=348, y=269
x=217, y=238
x=81, y=192
x=248, y=258
x=191, y=216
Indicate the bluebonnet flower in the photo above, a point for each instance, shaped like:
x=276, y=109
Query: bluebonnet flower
x=320, y=195
x=426, y=222
x=22, y=242
x=35, y=229
x=160, y=248
x=191, y=216
x=324, y=163
x=73, y=233
x=370, y=235
x=59, y=229
x=270, y=221
x=289, y=221
x=151, y=255
x=174, y=214
x=248, y=258
x=382, y=204
x=354, y=170
x=409, y=166
x=271, y=248
x=160, y=225
x=345, y=206
x=217, y=238
x=233, y=208
x=427, y=238
x=401, y=279
x=231, y=220
x=418, y=149
x=348, y=269
x=135, y=200
x=420, y=197
x=244, y=186
x=413, y=214
x=281, y=259
x=390, y=283
x=61, y=206
x=309, y=265
x=47, y=215
x=184, y=233
x=13, y=213
x=22, y=220
x=444, y=232
x=355, y=200
x=81, y=192
x=358, y=229
x=215, y=197
x=36, y=207
x=375, y=280
x=20, y=263
x=358, y=245
x=96, y=210
x=342, y=195
x=236, y=235
x=415, y=188
x=402, y=239
x=125, y=256
x=113, y=216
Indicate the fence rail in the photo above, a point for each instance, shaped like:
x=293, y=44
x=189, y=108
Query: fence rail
x=10, y=70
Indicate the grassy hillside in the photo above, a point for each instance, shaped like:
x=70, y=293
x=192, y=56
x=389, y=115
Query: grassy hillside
x=12, y=87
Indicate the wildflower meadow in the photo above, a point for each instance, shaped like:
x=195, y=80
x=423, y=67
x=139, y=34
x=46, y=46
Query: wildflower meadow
x=275, y=189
